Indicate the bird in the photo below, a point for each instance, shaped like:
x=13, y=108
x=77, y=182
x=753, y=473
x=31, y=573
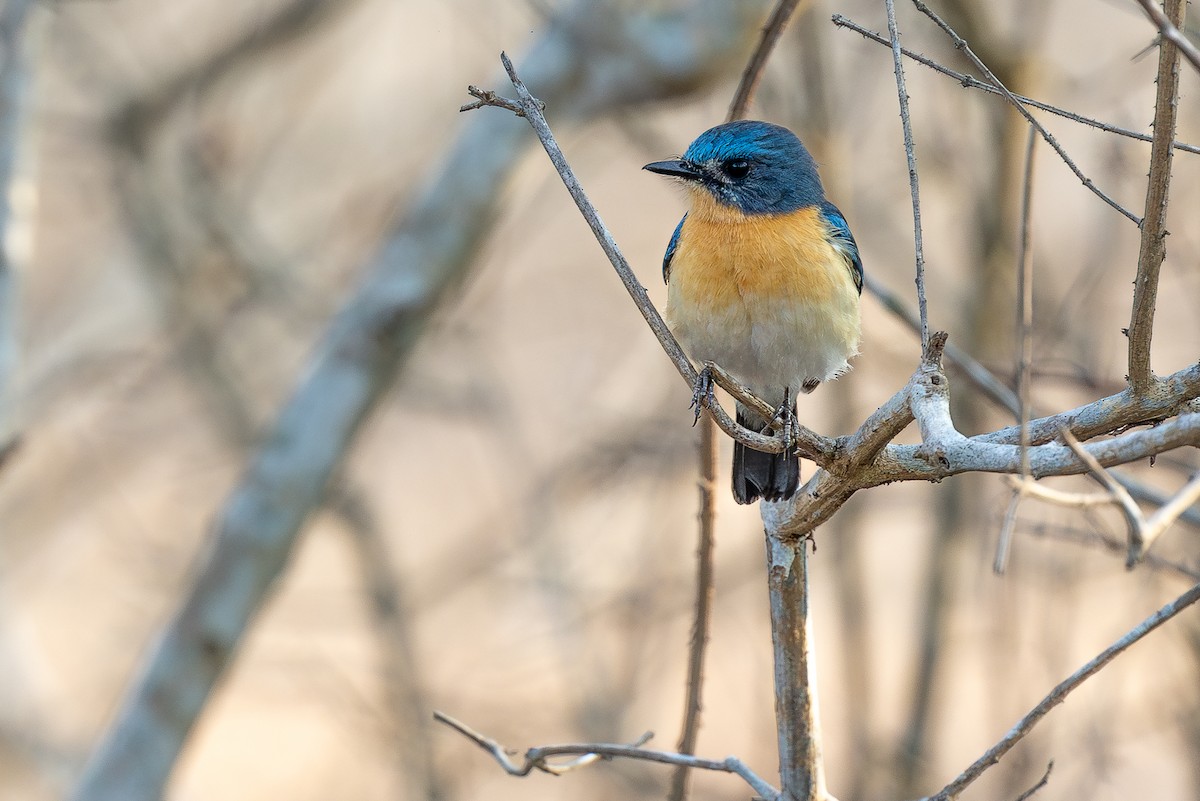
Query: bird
x=763, y=278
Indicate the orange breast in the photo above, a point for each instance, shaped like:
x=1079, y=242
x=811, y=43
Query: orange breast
x=724, y=256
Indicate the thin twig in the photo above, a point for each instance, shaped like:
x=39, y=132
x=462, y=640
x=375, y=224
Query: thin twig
x=490, y=98
x=702, y=608
x=1060, y=693
x=1171, y=30
x=536, y=758
x=1024, y=347
x=913, y=182
x=962, y=45
x=974, y=370
x=1153, y=247
x=1129, y=507
x=1111, y=545
x=758, y=62
x=1073, y=500
x=1162, y=519
x=1042, y=782
x=971, y=82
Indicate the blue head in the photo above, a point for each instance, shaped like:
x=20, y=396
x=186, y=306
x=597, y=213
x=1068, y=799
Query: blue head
x=753, y=166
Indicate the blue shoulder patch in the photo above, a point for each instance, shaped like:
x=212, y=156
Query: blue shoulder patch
x=843, y=240
x=674, y=243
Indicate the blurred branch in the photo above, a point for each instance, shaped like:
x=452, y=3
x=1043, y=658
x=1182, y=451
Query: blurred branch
x=538, y=758
x=391, y=617
x=1111, y=545
x=1060, y=693
x=14, y=77
x=287, y=22
x=1169, y=25
x=757, y=65
x=910, y=154
x=702, y=608
x=1143, y=531
x=1024, y=348
x=426, y=255
x=1042, y=782
x=971, y=82
x=962, y=45
x=1154, y=225
x=972, y=369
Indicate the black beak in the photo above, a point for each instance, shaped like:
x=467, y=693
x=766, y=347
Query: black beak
x=674, y=168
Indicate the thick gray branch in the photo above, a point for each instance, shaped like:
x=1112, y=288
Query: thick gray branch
x=427, y=254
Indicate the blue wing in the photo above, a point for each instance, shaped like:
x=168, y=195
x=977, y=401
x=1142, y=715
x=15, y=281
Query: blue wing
x=674, y=243
x=843, y=240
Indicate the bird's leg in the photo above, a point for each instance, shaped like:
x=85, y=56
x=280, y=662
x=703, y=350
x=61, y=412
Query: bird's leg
x=785, y=420
x=702, y=392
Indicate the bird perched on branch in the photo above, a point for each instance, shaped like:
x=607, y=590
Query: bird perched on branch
x=763, y=278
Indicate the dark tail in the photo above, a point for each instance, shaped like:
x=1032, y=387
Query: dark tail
x=771, y=476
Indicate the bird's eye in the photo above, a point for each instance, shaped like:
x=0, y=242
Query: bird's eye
x=737, y=169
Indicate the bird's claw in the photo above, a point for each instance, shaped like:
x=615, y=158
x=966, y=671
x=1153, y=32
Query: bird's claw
x=702, y=392
x=785, y=422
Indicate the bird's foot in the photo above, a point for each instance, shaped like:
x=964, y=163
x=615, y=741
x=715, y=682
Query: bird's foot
x=785, y=422
x=702, y=392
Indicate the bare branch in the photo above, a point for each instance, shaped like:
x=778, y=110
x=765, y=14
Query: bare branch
x=913, y=181
x=14, y=77
x=962, y=45
x=1154, y=225
x=702, y=608
x=1112, y=413
x=536, y=758
x=802, y=770
x=1075, y=500
x=1121, y=496
x=1042, y=782
x=1060, y=693
x=983, y=378
x=490, y=98
x=1024, y=347
x=758, y=61
x=1170, y=30
x=808, y=443
x=1162, y=519
x=971, y=82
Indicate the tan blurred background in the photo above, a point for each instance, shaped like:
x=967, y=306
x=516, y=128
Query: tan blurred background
x=515, y=536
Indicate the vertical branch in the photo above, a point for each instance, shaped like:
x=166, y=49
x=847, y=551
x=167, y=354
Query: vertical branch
x=708, y=452
x=1024, y=348
x=911, y=154
x=702, y=623
x=801, y=770
x=13, y=81
x=758, y=62
x=1154, y=247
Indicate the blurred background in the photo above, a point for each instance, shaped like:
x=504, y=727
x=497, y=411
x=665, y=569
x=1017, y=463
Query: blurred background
x=198, y=187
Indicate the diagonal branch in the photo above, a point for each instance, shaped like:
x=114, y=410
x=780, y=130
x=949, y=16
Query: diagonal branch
x=427, y=253
x=1169, y=26
x=1059, y=694
x=962, y=45
x=753, y=73
x=1154, y=225
x=971, y=82
x=808, y=443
